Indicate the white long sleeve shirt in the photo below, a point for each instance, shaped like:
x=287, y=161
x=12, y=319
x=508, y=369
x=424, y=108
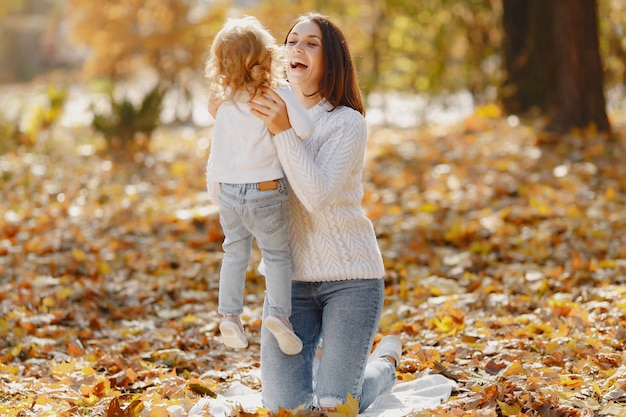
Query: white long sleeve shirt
x=242, y=149
x=331, y=238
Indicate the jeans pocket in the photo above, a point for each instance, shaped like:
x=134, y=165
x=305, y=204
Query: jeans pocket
x=228, y=217
x=272, y=217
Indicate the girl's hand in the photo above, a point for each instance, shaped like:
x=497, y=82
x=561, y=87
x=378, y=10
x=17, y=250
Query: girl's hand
x=214, y=103
x=268, y=106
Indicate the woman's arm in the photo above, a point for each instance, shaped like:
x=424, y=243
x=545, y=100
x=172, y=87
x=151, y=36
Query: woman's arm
x=316, y=176
x=320, y=176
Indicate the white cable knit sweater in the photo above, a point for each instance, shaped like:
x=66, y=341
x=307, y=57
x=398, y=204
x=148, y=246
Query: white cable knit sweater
x=331, y=238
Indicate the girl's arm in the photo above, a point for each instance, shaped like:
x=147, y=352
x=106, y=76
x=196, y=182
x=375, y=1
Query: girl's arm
x=271, y=109
x=299, y=118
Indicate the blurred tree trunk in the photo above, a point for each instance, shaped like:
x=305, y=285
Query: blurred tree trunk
x=552, y=61
x=530, y=63
x=580, y=83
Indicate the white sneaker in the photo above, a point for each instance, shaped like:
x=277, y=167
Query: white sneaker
x=288, y=341
x=232, y=332
x=388, y=346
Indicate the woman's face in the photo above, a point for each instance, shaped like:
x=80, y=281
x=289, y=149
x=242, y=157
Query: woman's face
x=304, y=56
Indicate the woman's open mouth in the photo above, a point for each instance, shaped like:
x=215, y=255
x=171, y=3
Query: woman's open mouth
x=297, y=64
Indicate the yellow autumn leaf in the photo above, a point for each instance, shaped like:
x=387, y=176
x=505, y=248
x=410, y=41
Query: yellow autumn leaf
x=407, y=377
x=395, y=210
x=489, y=111
x=570, y=381
x=509, y=410
x=609, y=194
x=103, y=267
x=566, y=395
x=64, y=293
x=9, y=369
x=190, y=319
x=542, y=208
x=134, y=409
x=608, y=264
x=44, y=399
x=16, y=350
x=552, y=346
x=429, y=208
x=199, y=387
x=90, y=400
x=178, y=168
x=447, y=325
x=403, y=293
x=537, y=329
x=262, y=412
x=48, y=302
x=515, y=368
x=78, y=255
x=159, y=412
x=573, y=212
x=596, y=388
x=348, y=409
x=4, y=328
x=62, y=368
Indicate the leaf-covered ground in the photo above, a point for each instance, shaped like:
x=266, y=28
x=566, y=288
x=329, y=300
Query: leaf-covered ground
x=505, y=251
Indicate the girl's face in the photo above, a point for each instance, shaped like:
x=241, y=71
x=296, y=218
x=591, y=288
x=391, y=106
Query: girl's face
x=305, y=64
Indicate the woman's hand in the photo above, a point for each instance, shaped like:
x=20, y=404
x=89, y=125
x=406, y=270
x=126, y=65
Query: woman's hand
x=268, y=106
x=214, y=103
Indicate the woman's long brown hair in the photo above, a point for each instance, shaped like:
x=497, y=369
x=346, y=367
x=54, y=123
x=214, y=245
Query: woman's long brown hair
x=339, y=84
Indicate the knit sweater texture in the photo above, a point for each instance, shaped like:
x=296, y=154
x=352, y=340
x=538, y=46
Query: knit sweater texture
x=331, y=237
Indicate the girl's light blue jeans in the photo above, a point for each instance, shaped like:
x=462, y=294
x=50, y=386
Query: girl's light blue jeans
x=344, y=316
x=247, y=213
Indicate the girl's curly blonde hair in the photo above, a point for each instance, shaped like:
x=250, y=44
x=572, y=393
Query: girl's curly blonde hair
x=244, y=56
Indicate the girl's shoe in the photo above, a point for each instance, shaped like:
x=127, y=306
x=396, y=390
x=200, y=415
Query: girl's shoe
x=288, y=341
x=389, y=346
x=232, y=332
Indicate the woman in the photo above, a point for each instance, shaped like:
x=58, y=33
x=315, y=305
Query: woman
x=337, y=288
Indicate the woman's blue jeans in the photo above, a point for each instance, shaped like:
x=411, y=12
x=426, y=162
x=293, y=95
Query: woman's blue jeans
x=344, y=316
x=247, y=212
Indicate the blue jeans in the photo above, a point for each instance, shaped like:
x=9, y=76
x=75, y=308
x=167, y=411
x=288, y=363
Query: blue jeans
x=343, y=315
x=246, y=212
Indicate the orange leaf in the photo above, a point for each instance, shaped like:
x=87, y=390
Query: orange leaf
x=73, y=349
x=131, y=375
x=86, y=390
x=490, y=392
x=494, y=368
x=114, y=409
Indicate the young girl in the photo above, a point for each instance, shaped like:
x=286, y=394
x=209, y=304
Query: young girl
x=245, y=178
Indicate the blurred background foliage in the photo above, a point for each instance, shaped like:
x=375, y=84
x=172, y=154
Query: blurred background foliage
x=432, y=47
x=407, y=45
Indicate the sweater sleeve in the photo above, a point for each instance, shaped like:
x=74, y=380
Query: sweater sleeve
x=298, y=116
x=318, y=175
